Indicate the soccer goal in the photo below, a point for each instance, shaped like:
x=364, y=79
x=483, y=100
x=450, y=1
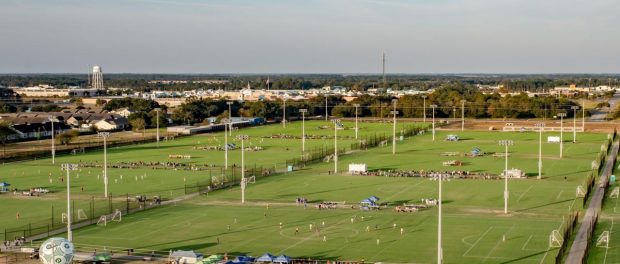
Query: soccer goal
x=118, y=216
x=251, y=179
x=555, y=239
x=103, y=221
x=615, y=193
x=580, y=192
x=603, y=240
x=63, y=218
x=81, y=215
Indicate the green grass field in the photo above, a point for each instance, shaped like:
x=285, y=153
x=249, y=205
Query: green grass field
x=475, y=229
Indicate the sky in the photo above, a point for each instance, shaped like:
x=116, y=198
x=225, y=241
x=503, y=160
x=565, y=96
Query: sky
x=310, y=36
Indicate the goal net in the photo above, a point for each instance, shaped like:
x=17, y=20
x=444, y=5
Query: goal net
x=580, y=192
x=103, y=221
x=603, y=240
x=555, y=239
x=81, y=215
x=615, y=193
x=118, y=216
x=63, y=218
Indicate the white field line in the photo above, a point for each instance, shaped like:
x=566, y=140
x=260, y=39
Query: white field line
x=549, y=248
x=475, y=243
x=607, y=249
x=559, y=194
x=522, y=194
x=497, y=244
x=311, y=235
x=404, y=189
x=527, y=241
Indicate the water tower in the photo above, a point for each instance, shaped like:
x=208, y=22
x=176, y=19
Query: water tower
x=97, y=81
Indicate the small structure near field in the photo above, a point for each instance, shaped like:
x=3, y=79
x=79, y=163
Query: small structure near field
x=369, y=203
x=453, y=163
x=4, y=186
x=182, y=256
x=357, y=168
x=514, y=173
x=551, y=139
x=452, y=138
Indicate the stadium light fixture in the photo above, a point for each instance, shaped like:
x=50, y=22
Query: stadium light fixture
x=394, y=113
x=69, y=167
x=157, y=110
x=243, y=138
x=424, y=107
x=506, y=143
x=336, y=123
x=575, y=108
x=225, y=122
x=53, y=119
x=463, y=115
x=303, y=129
x=540, y=127
x=105, y=136
x=433, y=106
x=561, y=115
x=230, y=103
x=356, y=127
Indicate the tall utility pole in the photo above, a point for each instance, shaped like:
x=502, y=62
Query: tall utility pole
x=561, y=115
x=53, y=119
x=105, y=135
x=229, y=103
x=540, y=127
x=303, y=129
x=225, y=143
x=433, y=106
x=243, y=180
x=462, y=115
x=583, y=115
x=506, y=143
x=69, y=167
x=384, y=80
x=157, y=117
x=453, y=113
x=284, y=114
x=356, y=127
x=336, y=123
x=394, y=128
x=326, y=115
x=574, y=122
x=439, y=240
x=424, y=107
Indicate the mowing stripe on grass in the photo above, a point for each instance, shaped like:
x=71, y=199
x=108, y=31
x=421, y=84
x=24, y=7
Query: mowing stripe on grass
x=475, y=243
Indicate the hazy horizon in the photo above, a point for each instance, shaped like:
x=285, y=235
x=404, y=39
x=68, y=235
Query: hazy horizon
x=419, y=37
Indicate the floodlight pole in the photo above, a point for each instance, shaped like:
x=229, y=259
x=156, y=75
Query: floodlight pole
x=540, y=129
x=243, y=182
x=157, y=112
x=69, y=167
x=394, y=128
x=439, y=241
x=574, y=123
x=326, y=116
x=424, y=107
x=105, y=136
x=561, y=115
x=284, y=114
x=225, y=145
x=356, y=127
x=51, y=118
x=506, y=143
x=336, y=122
x=462, y=115
x=303, y=129
x=583, y=115
x=433, y=106
x=229, y=103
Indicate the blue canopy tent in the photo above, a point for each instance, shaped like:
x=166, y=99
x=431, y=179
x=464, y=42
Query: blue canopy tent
x=265, y=258
x=4, y=186
x=282, y=259
x=374, y=198
x=243, y=259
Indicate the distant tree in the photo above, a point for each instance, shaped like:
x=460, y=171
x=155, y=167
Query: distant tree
x=66, y=137
x=5, y=132
x=138, y=124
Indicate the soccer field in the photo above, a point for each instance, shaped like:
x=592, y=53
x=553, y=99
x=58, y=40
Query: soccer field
x=475, y=228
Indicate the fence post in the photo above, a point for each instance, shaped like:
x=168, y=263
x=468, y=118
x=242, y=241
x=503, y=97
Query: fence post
x=110, y=203
x=52, y=216
x=127, y=202
x=29, y=229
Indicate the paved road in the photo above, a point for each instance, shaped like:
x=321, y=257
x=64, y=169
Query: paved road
x=578, y=249
x=601, y=114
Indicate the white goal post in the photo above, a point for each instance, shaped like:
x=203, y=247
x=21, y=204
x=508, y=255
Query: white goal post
x=615, y=193
x=81, y=215
x=603, y=240
x=103, y=220
x=555, y=239
x=63, y=218
x=116, y=217
x=581, y=192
